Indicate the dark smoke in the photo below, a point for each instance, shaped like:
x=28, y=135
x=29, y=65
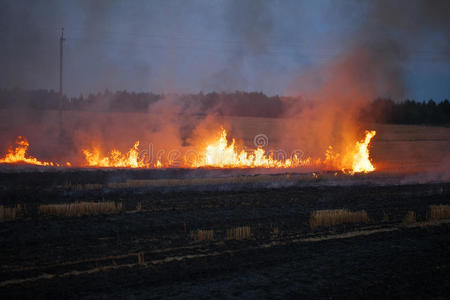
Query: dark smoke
x=394, y=32
x=24, y=48
x=372, y=64
x=391, y=32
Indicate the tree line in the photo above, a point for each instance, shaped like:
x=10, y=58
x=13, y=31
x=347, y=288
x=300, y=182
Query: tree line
x=408, y=112
x=245, y=104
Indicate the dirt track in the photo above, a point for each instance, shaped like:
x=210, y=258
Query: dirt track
x=154, y=251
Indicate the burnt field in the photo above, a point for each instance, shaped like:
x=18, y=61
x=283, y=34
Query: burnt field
x=216, y=233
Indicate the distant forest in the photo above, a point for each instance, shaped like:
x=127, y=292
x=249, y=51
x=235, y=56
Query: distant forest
x=243, y=104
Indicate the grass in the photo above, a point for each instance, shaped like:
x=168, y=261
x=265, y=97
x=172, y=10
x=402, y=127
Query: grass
x=9, y=213
x=239, y=233
x=332, y=217
x=428, y=145
x=410, y=218
x=438, y=212
x=80, y=209
x=202, y=235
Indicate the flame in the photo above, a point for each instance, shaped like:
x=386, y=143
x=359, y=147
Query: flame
x=361, y=160
x=223, y=155
x=115, y=158
x=158, y=164
x=219, y=154
x=18, y=154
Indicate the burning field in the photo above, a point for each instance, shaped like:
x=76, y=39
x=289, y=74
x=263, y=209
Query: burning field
x=171, y=202
x=237, y=149
x=222, y=215
x=219, y=153
x=167, y=203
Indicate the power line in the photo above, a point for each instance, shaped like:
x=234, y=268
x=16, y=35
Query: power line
x=61, y=52
x=234, y=46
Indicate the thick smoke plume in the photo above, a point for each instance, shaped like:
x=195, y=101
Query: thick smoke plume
x=372, y=65
x=329, y=97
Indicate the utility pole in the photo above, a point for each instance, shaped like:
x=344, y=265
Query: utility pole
x=60, y=104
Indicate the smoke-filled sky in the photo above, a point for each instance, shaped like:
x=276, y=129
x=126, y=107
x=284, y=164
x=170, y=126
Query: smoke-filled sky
x=202, y=45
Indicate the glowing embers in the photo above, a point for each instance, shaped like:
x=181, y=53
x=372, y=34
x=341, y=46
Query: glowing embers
x=18, y=154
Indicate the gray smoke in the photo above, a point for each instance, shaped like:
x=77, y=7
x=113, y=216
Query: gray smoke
x=109, y=42
x=250, y=24
x=24, y=49
x=394, y=32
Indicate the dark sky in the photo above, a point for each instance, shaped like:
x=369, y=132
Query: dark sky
x=205, y=45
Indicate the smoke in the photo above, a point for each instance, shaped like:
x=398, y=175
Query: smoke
x=221, y=45
x=250, y=24
x=23, y=51
x=401, y=31
x=373, y=64
x=417, y=19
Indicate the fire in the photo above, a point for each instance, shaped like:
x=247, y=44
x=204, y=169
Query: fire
x=18, y=154
x=223, y=155
x=218, y=154
x=115, y=158
x=361, y=161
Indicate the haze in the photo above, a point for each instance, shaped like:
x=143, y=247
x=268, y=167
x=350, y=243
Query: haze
x=192, y=46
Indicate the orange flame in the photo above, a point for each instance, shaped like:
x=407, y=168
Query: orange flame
x=223, y=155
x=220, y=154
x=116, y=159
x=18, y=154
x=361, y=160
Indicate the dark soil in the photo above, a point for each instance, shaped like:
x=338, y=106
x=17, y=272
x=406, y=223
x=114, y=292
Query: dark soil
x=151, y=253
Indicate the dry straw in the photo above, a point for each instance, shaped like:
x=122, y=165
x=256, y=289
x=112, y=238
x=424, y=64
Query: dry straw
x=80, y=209
x=239, y=233
x=332, y=217
x=9, y=213
x=202, y=235
x=438, y=212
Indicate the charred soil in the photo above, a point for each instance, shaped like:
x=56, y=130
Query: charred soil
x=226, y=241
